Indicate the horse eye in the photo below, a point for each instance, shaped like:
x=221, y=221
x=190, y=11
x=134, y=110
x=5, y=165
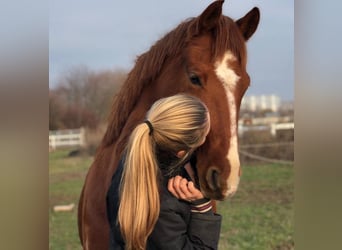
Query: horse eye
x=195, y=80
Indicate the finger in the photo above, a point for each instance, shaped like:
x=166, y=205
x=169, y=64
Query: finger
x=183, y=186
x=176, y=186
x=171, y=188
x=197, y=194
x=191, y=187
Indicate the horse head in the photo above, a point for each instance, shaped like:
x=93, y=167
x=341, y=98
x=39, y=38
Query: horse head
x=205, y=57
x=216, y=67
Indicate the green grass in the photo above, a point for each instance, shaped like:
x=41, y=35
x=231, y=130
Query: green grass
x=65, y=184
x=259, y=216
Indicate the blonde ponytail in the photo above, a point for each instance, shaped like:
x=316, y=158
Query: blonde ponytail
x=139, y=209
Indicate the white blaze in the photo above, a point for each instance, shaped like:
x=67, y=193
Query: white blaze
x=229, y=80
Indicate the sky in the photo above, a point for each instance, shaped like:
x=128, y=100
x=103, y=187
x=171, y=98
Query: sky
x=107, y=34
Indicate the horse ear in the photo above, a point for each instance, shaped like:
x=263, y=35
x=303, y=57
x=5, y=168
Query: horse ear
x=210, y=16
x=249, y=23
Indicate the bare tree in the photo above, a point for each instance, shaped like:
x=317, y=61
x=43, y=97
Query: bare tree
x=83, y=97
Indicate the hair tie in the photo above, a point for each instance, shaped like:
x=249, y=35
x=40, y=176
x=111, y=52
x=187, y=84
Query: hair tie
x=149, y=124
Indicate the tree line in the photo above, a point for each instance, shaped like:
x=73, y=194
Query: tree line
x=83, y=97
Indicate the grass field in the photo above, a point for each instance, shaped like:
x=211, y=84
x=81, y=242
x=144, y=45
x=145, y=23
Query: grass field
x=259, y=216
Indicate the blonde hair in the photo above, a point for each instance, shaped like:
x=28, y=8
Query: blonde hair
x=180, y=122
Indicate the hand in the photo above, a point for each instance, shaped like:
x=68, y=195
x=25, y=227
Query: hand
x=184, y=189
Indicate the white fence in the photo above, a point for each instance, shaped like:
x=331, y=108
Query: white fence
x=66, y=138
x=281, y=126
x=272, y=128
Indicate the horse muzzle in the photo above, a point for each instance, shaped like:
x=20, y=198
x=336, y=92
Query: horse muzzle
x=217, y=187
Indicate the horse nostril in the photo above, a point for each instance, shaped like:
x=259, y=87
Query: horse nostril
x=213, y=179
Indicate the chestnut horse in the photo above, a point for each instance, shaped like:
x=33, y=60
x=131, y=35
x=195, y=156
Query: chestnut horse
x=204, y=57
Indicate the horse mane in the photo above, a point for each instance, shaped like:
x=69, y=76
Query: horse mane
x=149, y=64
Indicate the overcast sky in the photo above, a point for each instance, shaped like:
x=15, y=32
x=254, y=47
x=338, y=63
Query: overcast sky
x=107, y=34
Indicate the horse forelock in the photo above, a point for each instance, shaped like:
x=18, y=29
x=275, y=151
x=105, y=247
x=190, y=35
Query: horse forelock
x=228, y=37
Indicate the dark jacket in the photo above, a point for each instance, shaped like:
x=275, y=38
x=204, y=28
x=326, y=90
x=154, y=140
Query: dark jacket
x=176, y=228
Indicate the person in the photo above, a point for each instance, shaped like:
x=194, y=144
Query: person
x=154, y=201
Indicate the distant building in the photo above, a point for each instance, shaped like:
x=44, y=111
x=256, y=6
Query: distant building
x=287, y=105
x=259, y=103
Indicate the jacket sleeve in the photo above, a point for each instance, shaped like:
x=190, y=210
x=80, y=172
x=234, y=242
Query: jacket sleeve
x=173, y=232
